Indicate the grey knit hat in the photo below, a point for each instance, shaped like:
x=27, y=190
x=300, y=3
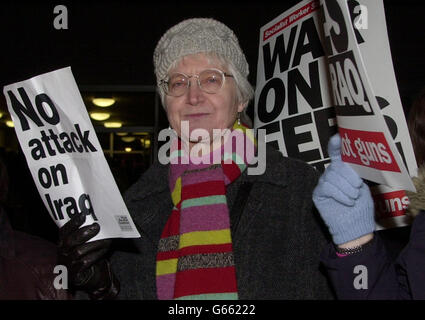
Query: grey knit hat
x=197, y=35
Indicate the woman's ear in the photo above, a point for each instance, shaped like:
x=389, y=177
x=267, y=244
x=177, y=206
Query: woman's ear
x=242, y=106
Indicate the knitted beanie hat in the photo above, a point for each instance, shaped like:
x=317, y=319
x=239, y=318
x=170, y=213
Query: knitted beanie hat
x=198, y=35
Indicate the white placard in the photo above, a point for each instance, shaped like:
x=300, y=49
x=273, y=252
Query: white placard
x=64, y=155
x=316, y=72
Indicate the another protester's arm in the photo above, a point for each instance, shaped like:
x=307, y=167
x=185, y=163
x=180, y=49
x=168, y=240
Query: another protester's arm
x=411, y=260
x=88, y=269
x=357, y=263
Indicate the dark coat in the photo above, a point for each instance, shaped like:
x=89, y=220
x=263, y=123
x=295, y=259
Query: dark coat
x=384, y=276
x=412, y=259
x=27, y=266
x=277, y=239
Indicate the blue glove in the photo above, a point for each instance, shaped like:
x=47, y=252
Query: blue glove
x=343, y=199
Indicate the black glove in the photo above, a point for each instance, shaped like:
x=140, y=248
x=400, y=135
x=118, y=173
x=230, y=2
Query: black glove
x=88, y=269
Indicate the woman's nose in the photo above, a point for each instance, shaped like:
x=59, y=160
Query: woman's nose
x=194, y=93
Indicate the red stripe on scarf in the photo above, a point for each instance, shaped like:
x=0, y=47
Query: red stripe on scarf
x=202, y=249
x=167, y=255
x=172, y=227
x=200, y=281
x=231, y=170
x=213, y=248
x=204, y=189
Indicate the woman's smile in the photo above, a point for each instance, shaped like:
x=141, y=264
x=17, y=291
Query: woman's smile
x=196, y=115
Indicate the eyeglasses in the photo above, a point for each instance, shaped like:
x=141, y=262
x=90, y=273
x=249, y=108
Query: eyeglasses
x=209, y=81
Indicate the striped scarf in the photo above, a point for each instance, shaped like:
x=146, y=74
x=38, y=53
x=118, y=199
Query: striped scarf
x=195, y=253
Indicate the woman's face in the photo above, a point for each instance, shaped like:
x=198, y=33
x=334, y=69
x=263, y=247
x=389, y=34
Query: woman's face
x=202, y=110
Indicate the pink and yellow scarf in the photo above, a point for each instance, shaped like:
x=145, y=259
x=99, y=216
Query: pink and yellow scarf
x=195, y=253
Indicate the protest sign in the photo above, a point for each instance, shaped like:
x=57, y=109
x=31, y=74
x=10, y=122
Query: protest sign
x=369, y=146
x=311, y=78
x=372, y=39
x=292, y=98
x=64, y=155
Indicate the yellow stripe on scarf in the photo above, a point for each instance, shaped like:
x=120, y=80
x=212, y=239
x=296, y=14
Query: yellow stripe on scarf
x=166, y=266
x=205, y=238
x=177, y=192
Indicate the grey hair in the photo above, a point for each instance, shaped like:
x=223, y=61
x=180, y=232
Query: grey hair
x=244, y=90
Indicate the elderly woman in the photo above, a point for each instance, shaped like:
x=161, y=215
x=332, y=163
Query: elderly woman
x=213, y=231
x=209, y=230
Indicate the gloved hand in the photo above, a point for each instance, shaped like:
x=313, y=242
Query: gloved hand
x=343, y=199
x=88, y=270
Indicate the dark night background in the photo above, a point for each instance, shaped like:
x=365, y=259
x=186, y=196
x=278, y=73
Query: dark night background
x=110, y=44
